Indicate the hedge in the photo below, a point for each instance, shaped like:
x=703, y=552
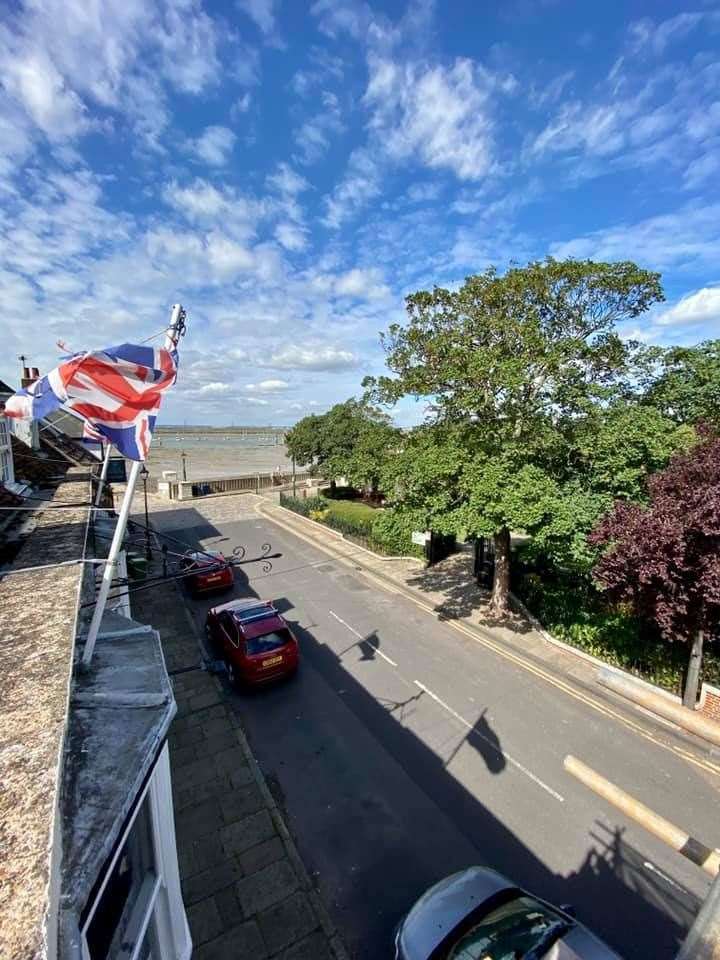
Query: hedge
x=383, y=530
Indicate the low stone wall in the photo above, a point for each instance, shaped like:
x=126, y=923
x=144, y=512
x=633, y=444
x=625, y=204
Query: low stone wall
x=224, y=486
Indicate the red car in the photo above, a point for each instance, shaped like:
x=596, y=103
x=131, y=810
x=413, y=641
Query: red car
x=256, y=642
x=207, y=571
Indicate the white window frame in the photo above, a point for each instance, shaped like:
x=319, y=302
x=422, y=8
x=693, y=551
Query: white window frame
x=159, y=907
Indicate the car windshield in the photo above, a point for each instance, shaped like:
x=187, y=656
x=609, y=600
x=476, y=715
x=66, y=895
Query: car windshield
x=520, y=930
x=267, y=642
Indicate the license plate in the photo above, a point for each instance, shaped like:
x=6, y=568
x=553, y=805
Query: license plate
x=215, y=577
x=272, y=661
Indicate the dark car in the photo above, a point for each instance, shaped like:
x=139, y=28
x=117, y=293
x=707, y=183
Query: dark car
x=255, y=641
x=206, y=571
x=478, y=914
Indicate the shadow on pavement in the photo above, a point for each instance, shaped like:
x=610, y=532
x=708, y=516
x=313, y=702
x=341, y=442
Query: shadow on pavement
x=635, y=910
x=456, y=594
x=639, y=914
x=483, y=739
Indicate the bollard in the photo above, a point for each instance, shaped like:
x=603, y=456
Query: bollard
x=700, y=854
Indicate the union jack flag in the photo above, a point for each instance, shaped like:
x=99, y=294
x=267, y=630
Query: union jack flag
x=117, y=391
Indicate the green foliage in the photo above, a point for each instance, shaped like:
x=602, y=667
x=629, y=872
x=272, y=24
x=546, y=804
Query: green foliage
x=575, y=613
x=687, y=386
x=393, y=529
x=562, y=538
x=498, y=494
x=423, y=474
x=352, y=439
x=616, y=448
x=383, y=531
x=510, y=364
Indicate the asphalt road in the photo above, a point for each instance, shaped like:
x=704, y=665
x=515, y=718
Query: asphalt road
x=403, y=751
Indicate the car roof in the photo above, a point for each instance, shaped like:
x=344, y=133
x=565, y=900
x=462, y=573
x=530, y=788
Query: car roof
x=254, y=617
x=204, y=556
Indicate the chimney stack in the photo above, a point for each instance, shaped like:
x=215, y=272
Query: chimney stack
x=29, y=374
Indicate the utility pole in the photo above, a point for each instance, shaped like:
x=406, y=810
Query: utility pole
x=183, y=456
x=293, y=471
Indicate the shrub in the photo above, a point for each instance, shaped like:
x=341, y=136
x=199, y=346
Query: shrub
x=393, y=529
x=572, y=610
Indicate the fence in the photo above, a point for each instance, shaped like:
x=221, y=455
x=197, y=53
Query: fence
x=225, y=486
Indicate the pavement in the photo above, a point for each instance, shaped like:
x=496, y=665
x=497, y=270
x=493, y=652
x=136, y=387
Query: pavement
x=246, y=891
x=414, y=743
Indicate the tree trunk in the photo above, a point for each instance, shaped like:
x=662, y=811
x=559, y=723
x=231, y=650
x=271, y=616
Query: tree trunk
x=692, y=679
x=501, y=581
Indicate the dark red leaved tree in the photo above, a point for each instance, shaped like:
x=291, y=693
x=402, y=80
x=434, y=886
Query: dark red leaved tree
x=665, y=557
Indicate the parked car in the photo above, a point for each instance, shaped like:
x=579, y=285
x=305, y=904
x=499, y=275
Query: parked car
x=255, y=641
x=207, y=571
x=478, y=914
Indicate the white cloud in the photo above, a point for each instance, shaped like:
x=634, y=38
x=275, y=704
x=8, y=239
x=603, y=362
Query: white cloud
x=241, y=105
x=361, y=284
x=342, y=16
x=35, y=81
x=702, y=306
x=286, y=180
x=203, y=203
x=214, y=145
x=268, y=386
x=291, y=236
x=361, y=183
x=687, y=238
x=328, y=358
x=314, y=136
x=262, y=12
x=60, y=58
x=441, y=115
x=647, y=34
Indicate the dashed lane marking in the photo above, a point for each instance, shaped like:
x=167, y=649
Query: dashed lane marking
x=503, y=753
x=361, y=637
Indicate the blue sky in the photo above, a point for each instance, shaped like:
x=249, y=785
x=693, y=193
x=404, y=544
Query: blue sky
x=290, y=170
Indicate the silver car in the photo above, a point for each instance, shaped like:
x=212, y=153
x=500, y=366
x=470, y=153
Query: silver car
x=478, y=914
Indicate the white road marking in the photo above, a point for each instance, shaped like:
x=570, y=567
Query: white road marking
x=653, y=869
x=512, y=760
x=361, y=637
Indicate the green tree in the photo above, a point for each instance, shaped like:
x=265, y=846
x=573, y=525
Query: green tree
x=686, y=383
x=517, y=358
x=352, y=440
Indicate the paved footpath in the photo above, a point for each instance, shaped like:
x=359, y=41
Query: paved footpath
x=246, y=891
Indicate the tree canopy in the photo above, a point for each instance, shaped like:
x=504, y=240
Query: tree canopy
x=514, y=360
x=664, y=557
x=685, y=383
x=350, y=440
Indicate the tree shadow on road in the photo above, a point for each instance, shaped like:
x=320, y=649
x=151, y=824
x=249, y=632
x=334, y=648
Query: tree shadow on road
x=454, y=593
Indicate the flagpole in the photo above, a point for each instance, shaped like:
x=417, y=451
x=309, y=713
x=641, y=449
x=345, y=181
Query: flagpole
x=171, y=338
x=103, y=474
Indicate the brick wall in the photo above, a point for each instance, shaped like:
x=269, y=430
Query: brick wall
x=711, y=702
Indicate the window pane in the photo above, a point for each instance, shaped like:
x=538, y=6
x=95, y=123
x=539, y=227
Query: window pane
x=267, y=642
x=110, y=921
x=506, y=933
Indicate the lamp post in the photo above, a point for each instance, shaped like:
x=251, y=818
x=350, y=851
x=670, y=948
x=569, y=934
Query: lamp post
x=148, y=552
